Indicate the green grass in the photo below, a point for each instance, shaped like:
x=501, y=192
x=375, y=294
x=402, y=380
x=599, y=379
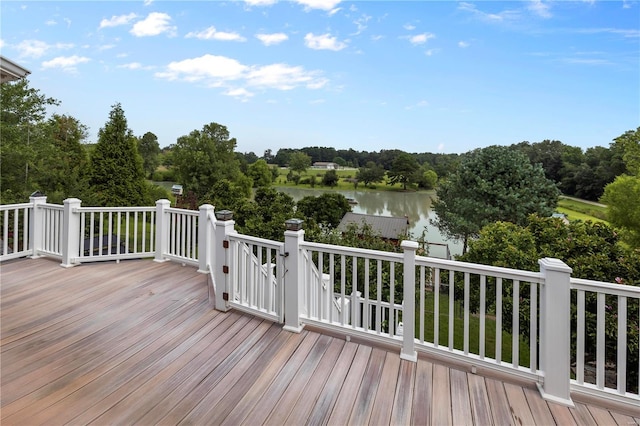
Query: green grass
x=578, y=210
x=474, y=330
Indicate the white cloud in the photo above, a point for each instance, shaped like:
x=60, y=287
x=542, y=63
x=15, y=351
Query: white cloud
x=131, y=66
x=327, y=5
x=240, y=93
x=430, y=52
x=463, y=44
x=284, y=77
x=409, y=27
x=51, y=22
x=66, y=63
x=154, y=24
x=376, y=37
x=1, y=43
x=147, y=2
x=361, y=23
x=539, y=8
x=221, y=71
x=117, y=20
x=205, y=67
x=211, y=34
x=271, y=39
x=323, y=42
x=37, y=48
x=505, y=15
x=106, y=46
x=68, y=22
x=260, y=2
x=420, y=38
x=440, y=147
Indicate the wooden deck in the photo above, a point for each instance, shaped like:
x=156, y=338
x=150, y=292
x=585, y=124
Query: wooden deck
x=137, y=343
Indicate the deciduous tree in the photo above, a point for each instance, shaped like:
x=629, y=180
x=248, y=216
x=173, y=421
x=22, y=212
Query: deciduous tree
x=404, y=170
x=204, y=157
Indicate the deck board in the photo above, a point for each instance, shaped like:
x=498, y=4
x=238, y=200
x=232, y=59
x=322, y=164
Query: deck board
x=137, y=342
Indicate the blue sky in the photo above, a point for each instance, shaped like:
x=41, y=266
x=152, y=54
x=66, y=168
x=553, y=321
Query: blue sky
x=420, y=76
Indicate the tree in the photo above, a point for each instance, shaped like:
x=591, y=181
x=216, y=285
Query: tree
x=426, y=178
x=326, y=209
x=205, y=157
x=403, y=170
x=149, y=149
x=117, y=176
x=22, y=137
x=299, y=162
x=330, y=178
x=622, y=196
x=371, y=173
x=265, y=216
x=260, y=173
x=492, y=184
x=67, y=170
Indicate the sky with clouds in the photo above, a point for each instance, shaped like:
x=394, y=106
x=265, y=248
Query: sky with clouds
x=420, y=76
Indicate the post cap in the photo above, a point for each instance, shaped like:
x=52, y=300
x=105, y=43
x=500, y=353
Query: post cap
x=293, y=224
x=224, y=215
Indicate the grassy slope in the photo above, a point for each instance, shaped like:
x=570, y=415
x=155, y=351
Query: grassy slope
x=578, y=210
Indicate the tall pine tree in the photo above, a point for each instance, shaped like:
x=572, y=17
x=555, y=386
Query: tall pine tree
x=117, y=176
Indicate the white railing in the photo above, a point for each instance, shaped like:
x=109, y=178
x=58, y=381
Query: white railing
x=517, y=322
x=479, y=304
x=183, y=235
x=51, y=228
x=112, y=233
x=605, y=336
x=14, y=240
x=357, y=289
x=256, y=270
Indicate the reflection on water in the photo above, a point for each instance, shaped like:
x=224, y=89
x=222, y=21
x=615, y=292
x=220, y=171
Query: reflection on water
x=415, y=205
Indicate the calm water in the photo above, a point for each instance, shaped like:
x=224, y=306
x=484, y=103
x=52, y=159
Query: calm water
x=415, y=205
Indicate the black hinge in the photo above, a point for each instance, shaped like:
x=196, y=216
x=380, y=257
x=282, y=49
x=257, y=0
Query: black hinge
x=225, y=297
x=225, y=269
x=225, y=244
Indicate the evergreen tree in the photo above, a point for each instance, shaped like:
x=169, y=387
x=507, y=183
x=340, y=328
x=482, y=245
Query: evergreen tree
x=117, y=176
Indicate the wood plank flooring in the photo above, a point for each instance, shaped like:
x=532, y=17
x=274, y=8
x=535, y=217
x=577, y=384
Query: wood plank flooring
x=137, y=342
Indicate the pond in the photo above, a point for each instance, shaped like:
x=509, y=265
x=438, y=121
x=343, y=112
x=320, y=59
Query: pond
x=415, y=205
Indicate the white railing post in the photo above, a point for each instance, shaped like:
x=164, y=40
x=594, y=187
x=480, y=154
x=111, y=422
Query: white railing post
x=293, y=276
x=35, y=224
x=408, y=351
x=204, y=245
x=162, y=230
x=70, y=232
x=224, y=227
x=555, y=333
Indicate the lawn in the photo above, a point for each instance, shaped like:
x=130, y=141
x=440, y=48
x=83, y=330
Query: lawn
x=579, y=210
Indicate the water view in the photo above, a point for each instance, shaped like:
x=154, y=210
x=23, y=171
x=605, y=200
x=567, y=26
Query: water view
x=415, y=205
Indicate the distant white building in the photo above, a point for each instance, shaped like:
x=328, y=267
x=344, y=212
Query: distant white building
x=325, y=165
